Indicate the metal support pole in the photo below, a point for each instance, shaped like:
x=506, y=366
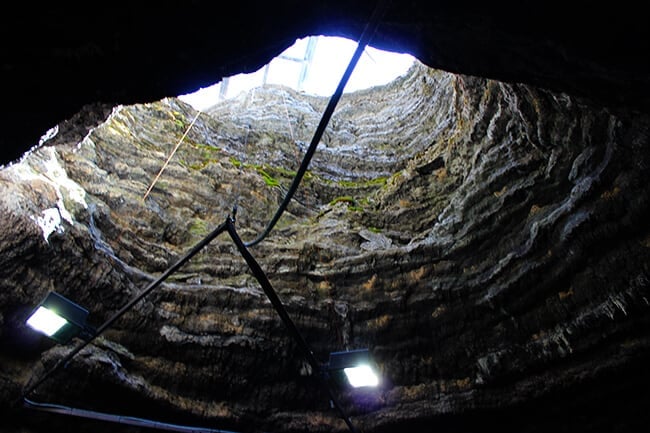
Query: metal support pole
x=89, y=338
x=367, y=34
x=259, y=274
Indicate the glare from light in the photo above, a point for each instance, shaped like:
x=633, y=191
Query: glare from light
x=46, y=321
x=361, y=376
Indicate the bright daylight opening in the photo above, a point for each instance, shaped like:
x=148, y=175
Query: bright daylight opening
x=46, y=321
x=313, y=65
x=360, y=376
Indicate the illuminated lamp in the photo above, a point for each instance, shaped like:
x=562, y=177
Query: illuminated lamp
x=354, y=368
x=60, y=319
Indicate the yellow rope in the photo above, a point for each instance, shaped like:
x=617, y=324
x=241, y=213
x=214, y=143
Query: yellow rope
x=171, y=155
x=286, y=112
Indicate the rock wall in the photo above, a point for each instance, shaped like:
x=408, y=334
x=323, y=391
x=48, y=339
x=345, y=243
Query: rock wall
x=487, y=241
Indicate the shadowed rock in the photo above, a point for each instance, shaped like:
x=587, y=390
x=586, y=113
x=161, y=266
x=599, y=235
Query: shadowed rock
x=487, y=241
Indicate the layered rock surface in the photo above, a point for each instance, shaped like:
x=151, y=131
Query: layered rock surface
x=487, y=241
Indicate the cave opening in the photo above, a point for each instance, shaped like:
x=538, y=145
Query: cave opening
x=312, y=65
x=98, y=415
x=460, y=227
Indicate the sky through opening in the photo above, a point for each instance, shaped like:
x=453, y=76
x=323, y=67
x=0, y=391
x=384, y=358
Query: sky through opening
x=313, y=65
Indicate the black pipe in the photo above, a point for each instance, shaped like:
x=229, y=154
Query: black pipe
x=63, y=361
x=367, y=34
x=119, y=419
x=259, y=274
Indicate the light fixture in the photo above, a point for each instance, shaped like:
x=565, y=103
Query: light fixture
x=70, y=318
x=354, y=367
x=60, y=319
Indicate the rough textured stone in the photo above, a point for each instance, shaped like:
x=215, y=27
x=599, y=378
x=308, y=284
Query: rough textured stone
x=487, y=241
x=61, y=57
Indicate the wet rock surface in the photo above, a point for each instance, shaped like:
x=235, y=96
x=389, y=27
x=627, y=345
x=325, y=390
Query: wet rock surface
x=487, y=241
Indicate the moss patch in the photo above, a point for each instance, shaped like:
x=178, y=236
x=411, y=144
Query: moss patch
x=198, y=228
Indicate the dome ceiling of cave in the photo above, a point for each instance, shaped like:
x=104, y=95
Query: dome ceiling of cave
x=485, y=238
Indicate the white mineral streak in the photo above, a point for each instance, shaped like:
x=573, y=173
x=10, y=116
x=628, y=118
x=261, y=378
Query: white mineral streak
x=48, y=169
x=50, y=222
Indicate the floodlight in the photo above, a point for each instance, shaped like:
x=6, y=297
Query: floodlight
x=362, y=375
x=356, y=366
x=46, y=321
x=60, y=319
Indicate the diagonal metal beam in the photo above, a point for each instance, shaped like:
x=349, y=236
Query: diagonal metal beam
x=153, y=285
x=364, y=40
x=261, y=278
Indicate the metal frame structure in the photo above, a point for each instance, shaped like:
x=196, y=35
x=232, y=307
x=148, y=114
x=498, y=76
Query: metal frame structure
x=229, y=227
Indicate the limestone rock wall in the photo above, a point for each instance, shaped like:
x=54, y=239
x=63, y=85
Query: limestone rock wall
x=488, y=242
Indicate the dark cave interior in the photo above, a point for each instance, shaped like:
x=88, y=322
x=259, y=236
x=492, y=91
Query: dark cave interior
x=63, y=58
